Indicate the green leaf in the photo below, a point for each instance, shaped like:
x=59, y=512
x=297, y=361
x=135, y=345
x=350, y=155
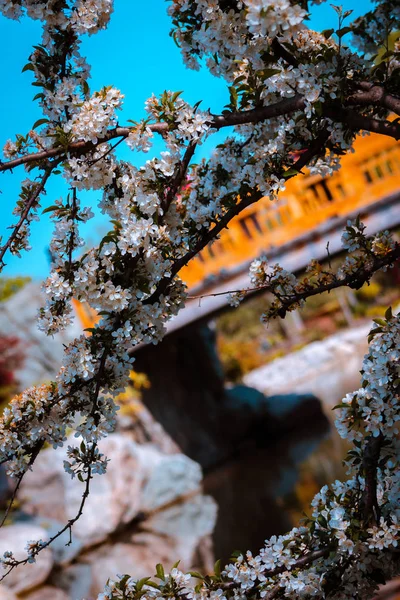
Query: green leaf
x=160, y=573
x=176, y=95
x=28, y=67
x=389, y=314
x=381, y=322
x=373, y=332
x=266, y=73
x=327, y=33
x=39, y=122
x=290, y=173
x=123, y=581
x=153, y=584
x=217, y=568
x=337, y=9
x=322, y=521
x=318, y=108
x=50, y=209
x=196, y=574
x=341, y=32
x=141, y=583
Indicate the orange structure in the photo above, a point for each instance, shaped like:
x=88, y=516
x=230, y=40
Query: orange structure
x=369, y=174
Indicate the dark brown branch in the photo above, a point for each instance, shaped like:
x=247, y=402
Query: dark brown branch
x=12, y=499
x=281, y=52
x=298, y=564
x=209, y=236
x=352, y=280
x=212, y=234
x=374, y=95
x=179, y=176
x=316, y=147
x=360, y=122
x=76, y=148
x=285, y=106
x=282, y=107
x=369, y=501
x=29, y=205
x=256, y=115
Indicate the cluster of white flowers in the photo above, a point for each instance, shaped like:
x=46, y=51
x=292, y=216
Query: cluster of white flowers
x=95, y=116
x=371, y=30
x=88, y=16
x=139, y=138
x=161, y=215
x=84, y=16
x=290, y=292
x=272, y=17
x=373, y=409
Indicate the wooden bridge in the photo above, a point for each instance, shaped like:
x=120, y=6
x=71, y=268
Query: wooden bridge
x=311, y=212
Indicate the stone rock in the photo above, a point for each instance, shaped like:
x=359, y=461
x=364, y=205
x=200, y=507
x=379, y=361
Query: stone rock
x=6, y=594
x=47, y=593
x=138, y=558
x=328, y=369
x=139, y=479
x=25, y=577
x=114, y=497
x=43, y=354
x=75, y=581
x=42, y=489
x=173, y=476
x=190, y=520
x=143, y=428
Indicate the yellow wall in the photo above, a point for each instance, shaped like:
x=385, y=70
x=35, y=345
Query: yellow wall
x=366, y=176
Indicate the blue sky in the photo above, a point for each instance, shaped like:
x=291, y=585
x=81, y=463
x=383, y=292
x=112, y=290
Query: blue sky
x=136, y=55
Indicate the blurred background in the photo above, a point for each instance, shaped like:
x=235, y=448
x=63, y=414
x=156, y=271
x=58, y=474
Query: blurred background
x=226, y=431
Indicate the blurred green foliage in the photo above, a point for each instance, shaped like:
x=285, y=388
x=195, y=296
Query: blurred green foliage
x=11, y=285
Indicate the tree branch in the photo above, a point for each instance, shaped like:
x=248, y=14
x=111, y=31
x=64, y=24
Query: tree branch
x=361, y=122
x=29, y=205
x=369, y=501
x=179, y=176
x=352, y=280
x=373, y=95
x=282, y=107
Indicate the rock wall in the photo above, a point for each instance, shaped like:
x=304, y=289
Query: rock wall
x=328, y=369
x=43, y=354
x=149, y=507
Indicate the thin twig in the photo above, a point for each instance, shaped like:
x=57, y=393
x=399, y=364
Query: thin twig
x=179, y=176
x=357, y=278
x=71, y=522
x=12, y=499
x=39, y=187
x=93, y=162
